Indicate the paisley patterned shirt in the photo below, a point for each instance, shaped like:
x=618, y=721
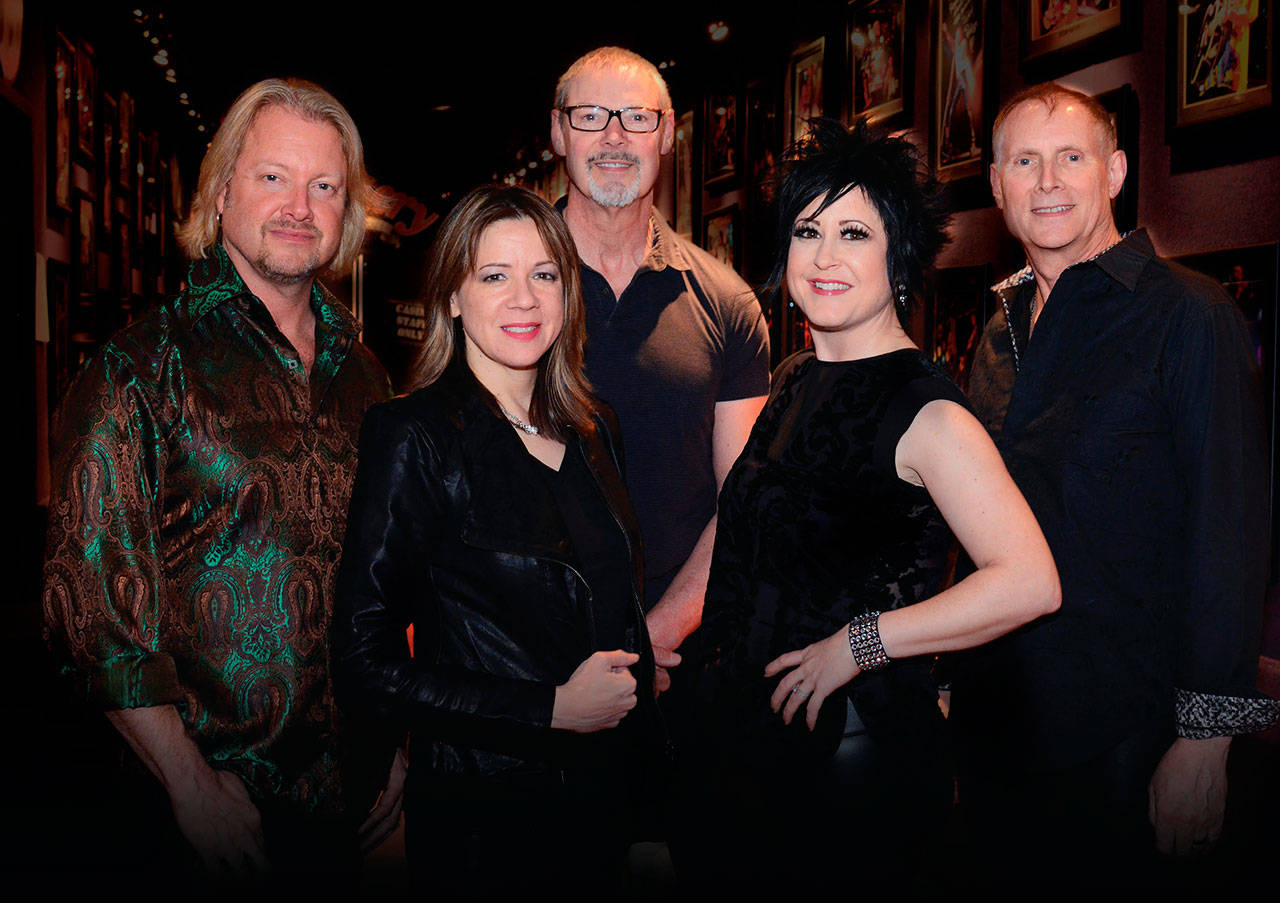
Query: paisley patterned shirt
x=200, y=488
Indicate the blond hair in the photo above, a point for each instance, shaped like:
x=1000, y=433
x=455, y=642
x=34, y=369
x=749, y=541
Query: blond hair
x=201, y=230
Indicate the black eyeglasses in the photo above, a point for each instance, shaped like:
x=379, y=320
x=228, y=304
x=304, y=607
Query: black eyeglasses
x=591, y=118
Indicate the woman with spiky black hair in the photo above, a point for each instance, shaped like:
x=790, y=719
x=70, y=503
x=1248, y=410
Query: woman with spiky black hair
x=825, y=748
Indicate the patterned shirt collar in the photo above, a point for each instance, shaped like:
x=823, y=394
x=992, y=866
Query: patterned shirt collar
x=1123, y=262
x=214, y=279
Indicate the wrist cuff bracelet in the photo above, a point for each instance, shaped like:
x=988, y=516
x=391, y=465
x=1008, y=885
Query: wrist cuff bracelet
x=864, y=642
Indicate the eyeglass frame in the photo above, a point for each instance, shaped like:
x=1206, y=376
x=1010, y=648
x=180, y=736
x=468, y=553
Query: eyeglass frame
x=567, y=111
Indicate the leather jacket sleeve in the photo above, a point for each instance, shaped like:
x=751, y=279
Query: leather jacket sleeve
x=400, y=515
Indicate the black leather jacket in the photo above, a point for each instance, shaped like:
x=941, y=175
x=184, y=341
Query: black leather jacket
x=446, y=533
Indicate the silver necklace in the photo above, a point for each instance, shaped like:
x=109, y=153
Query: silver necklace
x=518, y=423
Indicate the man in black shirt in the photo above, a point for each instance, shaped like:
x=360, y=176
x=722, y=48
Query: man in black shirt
x=1120, y=390
x=677, y=344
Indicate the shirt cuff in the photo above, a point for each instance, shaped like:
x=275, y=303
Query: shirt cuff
x=1203, y=715
x=131, y=682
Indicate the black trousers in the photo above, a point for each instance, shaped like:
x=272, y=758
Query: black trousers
x=865, y=820
x=1079, y=828
x=474, y=839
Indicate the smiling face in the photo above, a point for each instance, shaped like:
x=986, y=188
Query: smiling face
x=1054, y=177
x=511, y=304
x=282, y=210
x=837, y=273
x=613, y=167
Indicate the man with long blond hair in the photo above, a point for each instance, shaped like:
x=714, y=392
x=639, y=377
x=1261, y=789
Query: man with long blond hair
x=203, y=462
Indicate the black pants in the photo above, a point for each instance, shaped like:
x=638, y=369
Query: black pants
x=1078, y=828
x=485, y=840
x=866, y=820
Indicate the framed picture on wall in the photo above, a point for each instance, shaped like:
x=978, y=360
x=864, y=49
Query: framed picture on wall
x=86, y=101
x=61, y=113
x=1058, y=36
x=86, y=246
x=956, y=310
x=1222, y=57
x=962, y=82
x=879, y=60
x=105, y=172
x=128, y=142
x=1251, y=275
x=1122, y=104
x=804, y=87
x=720, y=147
x=722, y=235
x=763, y=152
x=683, y=166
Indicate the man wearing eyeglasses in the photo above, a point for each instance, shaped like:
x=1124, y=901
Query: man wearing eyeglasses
x=676, y=340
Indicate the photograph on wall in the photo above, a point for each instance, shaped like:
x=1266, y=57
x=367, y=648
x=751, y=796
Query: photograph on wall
x=1057, y=25
x=105, y=171
x=1223, y=59
x=720, y=150
x=127, y=140
x=683, y=166
x=956, y=311
x=764, y=142
x=86, y=247
x=86, y=100
x=62, y=91
x=804, y=88
x=878, y=58
x=721, y=231
x=958, y=131
x=1122, y=104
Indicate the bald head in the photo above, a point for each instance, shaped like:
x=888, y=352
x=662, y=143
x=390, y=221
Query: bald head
x=1050, y=95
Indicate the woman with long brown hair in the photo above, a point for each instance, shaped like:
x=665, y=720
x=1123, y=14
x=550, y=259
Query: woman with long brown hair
x=489, y=513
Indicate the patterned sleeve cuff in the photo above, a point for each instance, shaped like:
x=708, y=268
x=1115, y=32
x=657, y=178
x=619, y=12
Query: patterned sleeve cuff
x=1202, y=715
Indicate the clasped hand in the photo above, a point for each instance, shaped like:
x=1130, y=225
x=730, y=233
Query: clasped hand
x=597, y=695
x=817, y=671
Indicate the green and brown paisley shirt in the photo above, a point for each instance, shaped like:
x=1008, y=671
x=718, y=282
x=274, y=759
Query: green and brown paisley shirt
x=198, y=504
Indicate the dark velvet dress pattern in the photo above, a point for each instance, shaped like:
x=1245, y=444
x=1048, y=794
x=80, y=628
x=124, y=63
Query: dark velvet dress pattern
x=815, y=527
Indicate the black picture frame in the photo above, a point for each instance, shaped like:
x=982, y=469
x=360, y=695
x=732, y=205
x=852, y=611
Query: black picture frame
x=805, y=76
x=685, y=213
x=762, y=155
x=61, y=123
x=105, y=171
x=881, y=60
x=86, y=245
x=1250, y=275
x=722, y=235
x=959, y=135
x=1056, y=37
x=1220, y=67
x=128, y=141
x=86, y=101
x=957, y=304
x=1122, y=104
x=720, y=146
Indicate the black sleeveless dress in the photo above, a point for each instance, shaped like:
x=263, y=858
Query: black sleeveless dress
x=815, y=527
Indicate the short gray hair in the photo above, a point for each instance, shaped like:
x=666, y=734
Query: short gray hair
x=618, y=58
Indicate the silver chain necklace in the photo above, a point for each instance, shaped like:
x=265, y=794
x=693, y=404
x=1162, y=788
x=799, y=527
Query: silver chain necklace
x=518, y=423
